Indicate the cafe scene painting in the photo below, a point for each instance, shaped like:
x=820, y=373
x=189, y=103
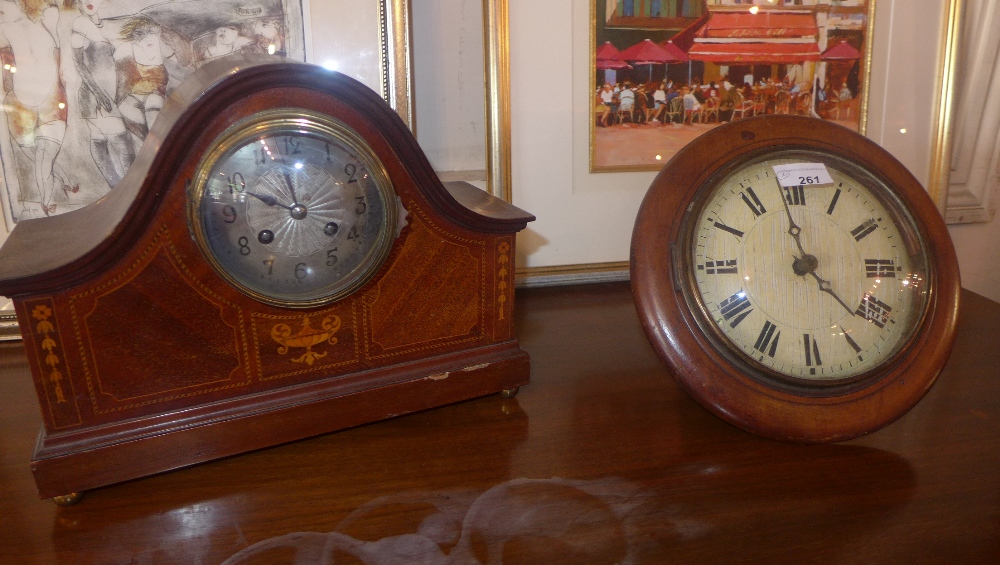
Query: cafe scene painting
x=666, y=71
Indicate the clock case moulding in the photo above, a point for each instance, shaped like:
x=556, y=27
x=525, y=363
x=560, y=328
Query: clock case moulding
x=146, y=360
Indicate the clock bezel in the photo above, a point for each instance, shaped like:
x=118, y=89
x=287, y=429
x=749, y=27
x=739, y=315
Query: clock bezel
x=300, y=120
x=685, y=263
x=710, y=376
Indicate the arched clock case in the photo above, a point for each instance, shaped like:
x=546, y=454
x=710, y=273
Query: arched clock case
x=280, y=262
x=796, y=278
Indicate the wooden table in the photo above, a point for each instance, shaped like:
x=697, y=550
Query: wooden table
x=602, y=459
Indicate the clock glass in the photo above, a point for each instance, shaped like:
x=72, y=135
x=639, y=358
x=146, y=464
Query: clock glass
x=292, y=208
x=806, y=269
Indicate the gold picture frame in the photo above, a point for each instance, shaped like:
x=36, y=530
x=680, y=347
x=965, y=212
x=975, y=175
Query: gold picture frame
x=496, y=37
x=930, y=135
x=394, y=38
x=746, y=44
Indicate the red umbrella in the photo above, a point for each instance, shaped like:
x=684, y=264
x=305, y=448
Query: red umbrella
x=606, y=51
x=842, y=51
x=675, y=51
x=647, y=53
x=605, y=64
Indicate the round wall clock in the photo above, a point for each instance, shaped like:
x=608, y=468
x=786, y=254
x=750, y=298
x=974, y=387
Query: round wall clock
x=796, y=278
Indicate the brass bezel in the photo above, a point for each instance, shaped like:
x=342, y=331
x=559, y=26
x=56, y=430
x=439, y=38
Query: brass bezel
x=307, y=122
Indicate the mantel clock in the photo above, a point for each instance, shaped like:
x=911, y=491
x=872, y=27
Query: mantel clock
x=280, y=262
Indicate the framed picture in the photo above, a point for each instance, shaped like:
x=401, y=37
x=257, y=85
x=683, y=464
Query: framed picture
x=666, y=71
x=84, y=80
x=113, y=63
x=585, y=218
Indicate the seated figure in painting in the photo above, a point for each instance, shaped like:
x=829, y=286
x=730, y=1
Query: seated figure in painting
x=609, y=100
x=225, y=40
x=111, y=146
x=143, y=75
x=35, y=100
x=626, y=100
x=656, y=109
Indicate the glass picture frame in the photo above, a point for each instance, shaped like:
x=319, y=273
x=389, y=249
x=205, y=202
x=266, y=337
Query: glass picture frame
x=376, y=51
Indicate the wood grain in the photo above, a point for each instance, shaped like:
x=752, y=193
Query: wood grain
x=603, y=458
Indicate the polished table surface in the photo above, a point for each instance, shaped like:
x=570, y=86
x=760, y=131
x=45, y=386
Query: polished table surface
x=601, y=459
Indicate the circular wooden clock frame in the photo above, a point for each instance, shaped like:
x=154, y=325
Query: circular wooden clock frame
x=727, y=382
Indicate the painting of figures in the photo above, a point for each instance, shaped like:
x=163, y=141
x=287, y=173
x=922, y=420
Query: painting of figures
x=83, y=81
x=666, y=71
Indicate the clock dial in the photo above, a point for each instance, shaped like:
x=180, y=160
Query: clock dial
x=816, y=281
x=293, y=209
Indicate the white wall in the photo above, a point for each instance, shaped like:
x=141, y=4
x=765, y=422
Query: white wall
x=448, y=83
x=975, y=175
x=978, y=248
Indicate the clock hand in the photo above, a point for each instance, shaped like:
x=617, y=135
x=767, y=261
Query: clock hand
x=268, y=200
x=291, y=187
x=825, y=286
x=284, y=172
x=793, y=229
x=807, y=263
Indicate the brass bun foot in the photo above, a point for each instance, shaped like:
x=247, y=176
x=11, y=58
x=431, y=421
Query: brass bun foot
x=510, y=392
x=67, y=499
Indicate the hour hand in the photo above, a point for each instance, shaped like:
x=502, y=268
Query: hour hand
x=826, y=287
x=268, y=200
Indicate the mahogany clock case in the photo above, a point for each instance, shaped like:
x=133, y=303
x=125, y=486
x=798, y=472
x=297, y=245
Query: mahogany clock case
x=742, y=394
x=145, y=359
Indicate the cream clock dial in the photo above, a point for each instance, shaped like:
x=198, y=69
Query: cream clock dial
x=816, y=281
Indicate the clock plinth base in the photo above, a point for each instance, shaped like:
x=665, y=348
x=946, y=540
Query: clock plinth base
x=64, y=463
x=67, y=499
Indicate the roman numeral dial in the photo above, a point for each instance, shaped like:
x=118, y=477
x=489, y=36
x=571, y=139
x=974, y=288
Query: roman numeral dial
x=812, y=280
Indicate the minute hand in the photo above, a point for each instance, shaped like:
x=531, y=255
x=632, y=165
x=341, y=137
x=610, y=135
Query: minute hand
x=793, y=229
x=807, y=263
x=291, y=187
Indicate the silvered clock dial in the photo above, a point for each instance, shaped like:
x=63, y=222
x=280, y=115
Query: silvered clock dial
x=292, y=208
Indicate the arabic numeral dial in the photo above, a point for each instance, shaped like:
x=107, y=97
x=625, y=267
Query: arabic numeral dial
x=293, y=208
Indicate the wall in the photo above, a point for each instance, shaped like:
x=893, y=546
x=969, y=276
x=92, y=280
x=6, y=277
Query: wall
x=448, y=84
x=975, y=174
